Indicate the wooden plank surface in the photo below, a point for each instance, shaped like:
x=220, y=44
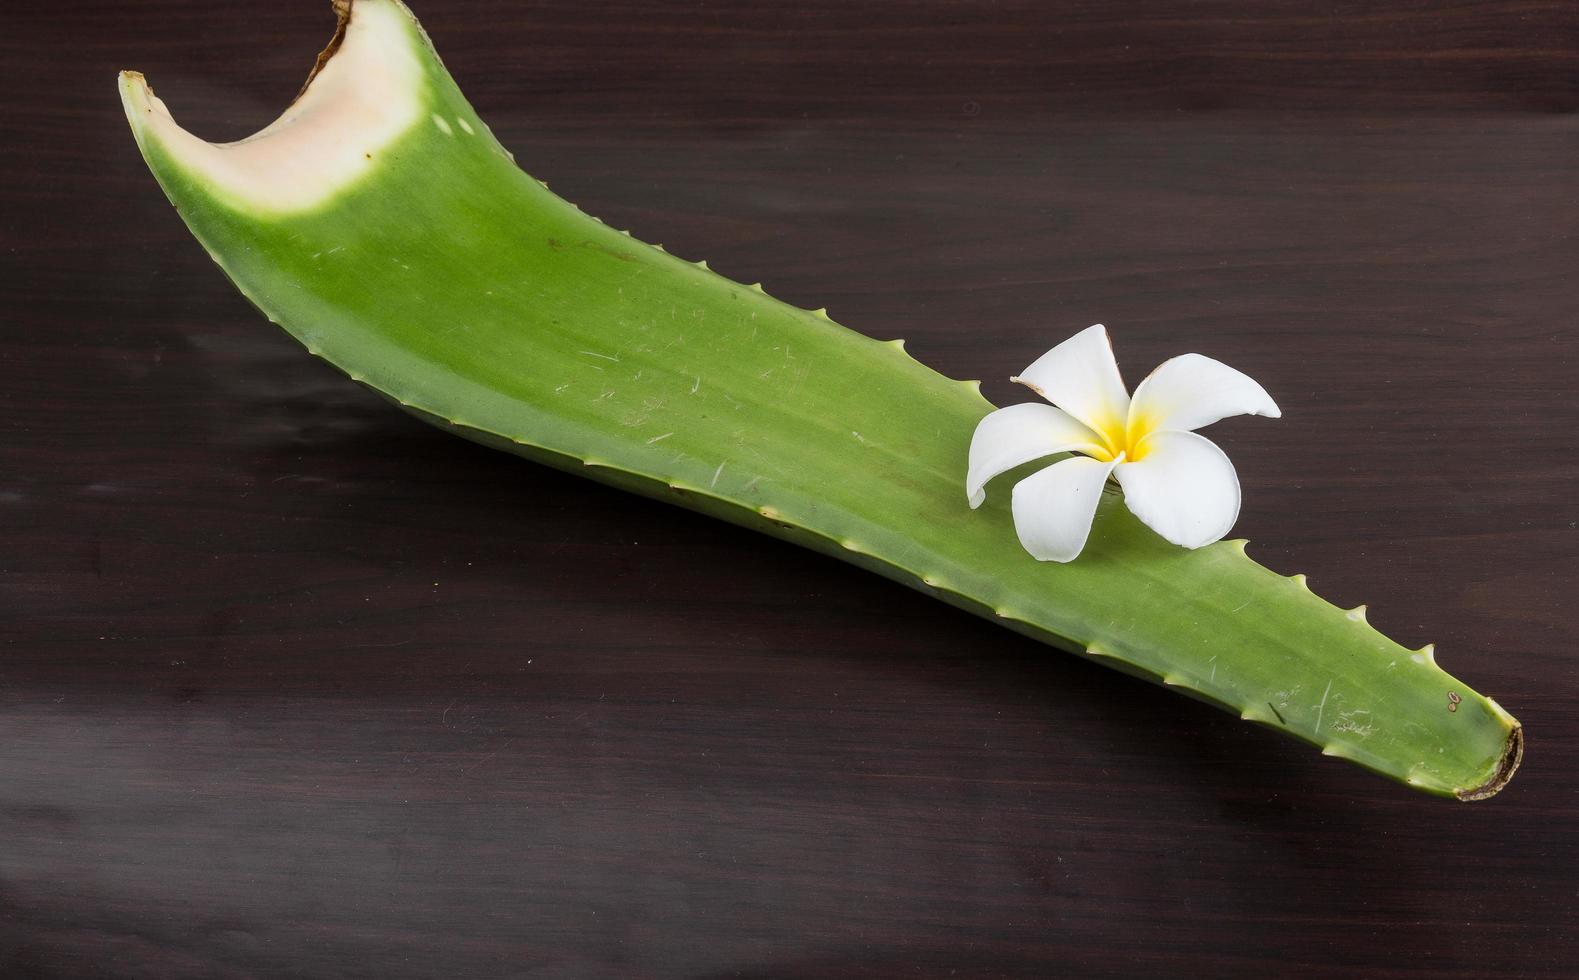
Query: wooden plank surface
x=292, y=685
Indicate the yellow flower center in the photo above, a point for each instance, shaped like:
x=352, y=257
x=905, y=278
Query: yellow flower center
x=1127, y=436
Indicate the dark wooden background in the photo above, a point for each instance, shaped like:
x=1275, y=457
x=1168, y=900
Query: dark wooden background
x=293, y=685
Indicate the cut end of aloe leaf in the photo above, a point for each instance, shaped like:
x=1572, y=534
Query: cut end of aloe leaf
x=379, y=222
x=1512, y=755
x=365, y=92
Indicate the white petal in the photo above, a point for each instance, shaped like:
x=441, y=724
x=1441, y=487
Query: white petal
x=1081, y=377
x=1191, y=391
x=1018, y=434
x=1053, y=509
x=1183, y=487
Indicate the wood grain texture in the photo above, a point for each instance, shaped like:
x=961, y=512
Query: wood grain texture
x=292, y=685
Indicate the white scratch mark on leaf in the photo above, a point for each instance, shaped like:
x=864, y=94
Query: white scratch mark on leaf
x=1350, y=722
x=659, y=438
x=717, y=473
x=1321, y=709
x=607, y=357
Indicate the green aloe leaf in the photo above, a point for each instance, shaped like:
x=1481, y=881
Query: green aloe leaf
x=380, y=223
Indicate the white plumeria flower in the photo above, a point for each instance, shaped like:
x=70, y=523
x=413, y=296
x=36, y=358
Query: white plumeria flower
x=1178, y=483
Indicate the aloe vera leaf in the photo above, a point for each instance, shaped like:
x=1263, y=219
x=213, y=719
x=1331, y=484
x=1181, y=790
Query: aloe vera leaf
x=380, y=223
